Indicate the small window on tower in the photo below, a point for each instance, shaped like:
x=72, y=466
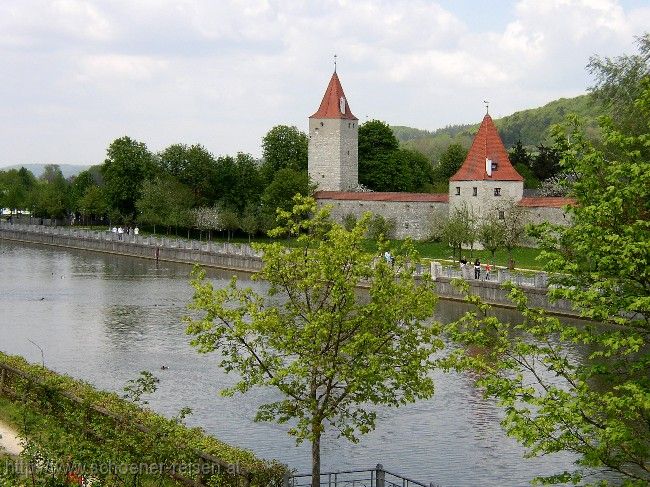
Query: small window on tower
x=474, y=191
x=322, y=124
x=502, y=215
x=494, y=166
x=497, y=191
x=457, y=190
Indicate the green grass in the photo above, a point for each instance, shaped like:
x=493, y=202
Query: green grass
x=524, y=257
x=9, y=413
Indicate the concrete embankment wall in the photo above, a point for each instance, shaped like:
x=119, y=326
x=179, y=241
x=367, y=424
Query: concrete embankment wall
x=240, y=258
x=222, y=256
x=494, y=293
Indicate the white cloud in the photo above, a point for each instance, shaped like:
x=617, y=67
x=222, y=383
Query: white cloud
x=111, y=67
x=222, y=73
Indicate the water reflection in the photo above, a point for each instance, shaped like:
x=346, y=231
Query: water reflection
x=105, y=318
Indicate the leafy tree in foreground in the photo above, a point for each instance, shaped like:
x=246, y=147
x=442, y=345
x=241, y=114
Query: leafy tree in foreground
x=330, y=352
x=583, y=388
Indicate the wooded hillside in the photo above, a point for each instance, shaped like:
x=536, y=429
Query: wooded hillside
x=530, y=126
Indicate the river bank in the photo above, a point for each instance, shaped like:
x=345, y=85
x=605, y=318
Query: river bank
x=243, y=258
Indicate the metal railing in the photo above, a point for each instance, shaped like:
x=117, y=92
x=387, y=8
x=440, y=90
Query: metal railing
x=537, y=280
x=376, y=477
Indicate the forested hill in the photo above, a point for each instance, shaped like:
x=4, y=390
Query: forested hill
x=530, y=126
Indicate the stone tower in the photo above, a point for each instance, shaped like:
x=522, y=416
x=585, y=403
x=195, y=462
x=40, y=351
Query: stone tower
x=486, y=179
x=334, y=142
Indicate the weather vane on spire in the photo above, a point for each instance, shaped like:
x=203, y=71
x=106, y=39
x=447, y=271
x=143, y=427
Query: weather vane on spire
x=487, y=107
x=335, y=63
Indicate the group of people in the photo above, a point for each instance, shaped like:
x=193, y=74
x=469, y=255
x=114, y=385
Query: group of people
x=477, y=268
x=121, y=231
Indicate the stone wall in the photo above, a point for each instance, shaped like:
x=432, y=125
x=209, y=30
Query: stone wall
x=412, y=219
x=485, y=199
x=219, y=255
x=333, y=153
x=541, y=214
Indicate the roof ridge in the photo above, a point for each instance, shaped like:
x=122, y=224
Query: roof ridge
x=487, y=148
x=334, y=103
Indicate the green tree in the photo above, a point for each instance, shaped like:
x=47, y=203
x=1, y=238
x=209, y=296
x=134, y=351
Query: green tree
x=378, y=169
x=228, y=221
x=279, y=194
x=583, y=388
x=450, y=162
x=239, y=182
x=50, y=196
x=153, y=205
x=250, y=222
x=165, y=201
x=490, y=235
x=618, y=85
x=128, y=164
x=546, y=163
x=15, y=187
x=513, y=227
x=194, y=166
x=457, y=230
x=330, y=353
x=80, y=184
x=283, y=147
x=92, y=204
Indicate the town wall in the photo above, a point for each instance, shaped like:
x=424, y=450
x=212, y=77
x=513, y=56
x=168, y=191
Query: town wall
x=412, y=219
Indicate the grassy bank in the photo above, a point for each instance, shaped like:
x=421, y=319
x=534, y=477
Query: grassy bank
x=67, y=419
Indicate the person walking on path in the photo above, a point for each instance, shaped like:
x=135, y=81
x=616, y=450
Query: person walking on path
x=487, y=271
x=477, y=269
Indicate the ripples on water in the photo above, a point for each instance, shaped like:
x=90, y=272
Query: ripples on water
x=104, y=318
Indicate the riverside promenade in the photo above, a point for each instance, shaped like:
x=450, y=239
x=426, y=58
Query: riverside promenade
x=242, y=257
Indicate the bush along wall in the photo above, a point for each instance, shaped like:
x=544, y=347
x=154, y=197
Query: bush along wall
x=73, y=432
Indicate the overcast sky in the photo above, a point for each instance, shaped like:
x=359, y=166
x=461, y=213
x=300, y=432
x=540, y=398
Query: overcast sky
x=75, y=75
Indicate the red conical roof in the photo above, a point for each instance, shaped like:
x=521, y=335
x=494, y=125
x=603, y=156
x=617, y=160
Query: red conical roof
x=334, y=104
x=487, y=145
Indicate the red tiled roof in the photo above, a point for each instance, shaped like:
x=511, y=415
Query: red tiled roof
x=330, y=107
x=404, y=197
x=487, y=144
x=546, y=202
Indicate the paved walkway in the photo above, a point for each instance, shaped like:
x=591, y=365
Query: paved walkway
x=9, y=441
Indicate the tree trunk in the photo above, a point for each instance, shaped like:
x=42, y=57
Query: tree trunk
x=315, y=458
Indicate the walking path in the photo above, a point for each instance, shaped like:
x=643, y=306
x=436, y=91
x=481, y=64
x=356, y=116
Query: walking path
x=9, y=441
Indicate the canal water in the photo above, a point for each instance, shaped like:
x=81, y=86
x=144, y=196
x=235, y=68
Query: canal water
x=104, y=318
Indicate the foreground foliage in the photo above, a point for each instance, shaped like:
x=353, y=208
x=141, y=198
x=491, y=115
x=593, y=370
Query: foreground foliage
x=331, y=351
x=71, y=430
x=582, y=388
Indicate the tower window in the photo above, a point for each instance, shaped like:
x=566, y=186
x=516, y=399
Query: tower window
x=502, y=215
x=474, y=191
x=457, y=190
x=497, y=191
x=322, y=124
x=494, y=165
